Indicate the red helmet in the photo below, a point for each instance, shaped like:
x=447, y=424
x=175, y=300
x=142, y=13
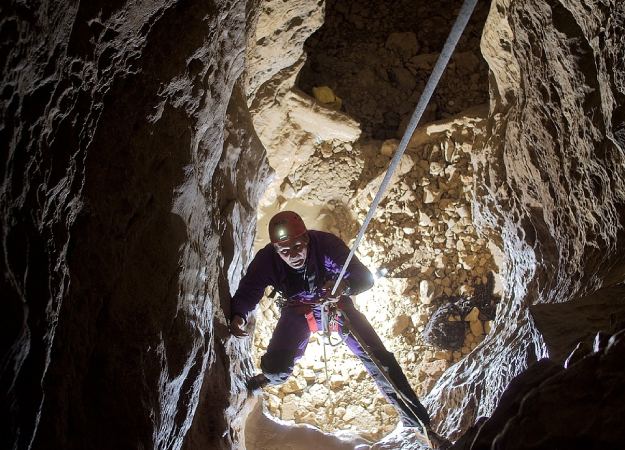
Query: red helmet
x=286, y=225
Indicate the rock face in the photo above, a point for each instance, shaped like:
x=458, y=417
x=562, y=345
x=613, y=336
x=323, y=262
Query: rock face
x=133, y=170
x=276, y=41
x=550, y=184
x=549, y=406
x=130, y=177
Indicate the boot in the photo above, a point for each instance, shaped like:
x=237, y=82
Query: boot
x=256, y=384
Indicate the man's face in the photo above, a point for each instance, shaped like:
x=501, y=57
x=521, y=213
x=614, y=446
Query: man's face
x=294, y=252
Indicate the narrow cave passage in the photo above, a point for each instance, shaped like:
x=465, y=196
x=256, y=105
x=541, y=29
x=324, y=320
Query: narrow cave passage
x=138, y=139
x=366, y=67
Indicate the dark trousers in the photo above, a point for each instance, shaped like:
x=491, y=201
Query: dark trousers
x=290, y=338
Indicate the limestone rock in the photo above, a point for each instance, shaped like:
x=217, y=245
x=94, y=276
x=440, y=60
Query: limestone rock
x=541, y=391
x=273, y=402
x=436, y=168
x=552, y=263
x=352, y=411
x=295, y=129
x=466, y=61
x=400, y=324
x=476, y=328
x=147, y=163
x=426, y=292
x=425, y=61
x=431, y=194
x=388, y=147
x=275, y=43
x=293, y=384
x=424, y=219
x=289, y=407
x=327, y=97
x=308, y=374
x=473, y=315
x=324, y=94
x=336, y=381
x=435, y=368
x=319, y=394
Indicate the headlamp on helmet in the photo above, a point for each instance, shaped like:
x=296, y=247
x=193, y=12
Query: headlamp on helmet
x=285, y=226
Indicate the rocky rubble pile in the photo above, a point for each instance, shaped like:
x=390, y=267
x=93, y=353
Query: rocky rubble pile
x=344, y=400
x=422, y=238
x=423, y=235
x=376, y=56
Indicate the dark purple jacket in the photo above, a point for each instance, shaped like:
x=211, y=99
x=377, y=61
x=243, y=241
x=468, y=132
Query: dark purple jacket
x=326, y=255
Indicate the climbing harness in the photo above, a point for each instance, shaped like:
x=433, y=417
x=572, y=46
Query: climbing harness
x=331, y=319
x=331, y=322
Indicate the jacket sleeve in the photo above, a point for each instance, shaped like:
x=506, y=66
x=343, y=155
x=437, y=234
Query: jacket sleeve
x=252, y=285
x=357, y=276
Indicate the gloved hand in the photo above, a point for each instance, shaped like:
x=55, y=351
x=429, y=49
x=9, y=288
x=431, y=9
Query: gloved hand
x=236, y=326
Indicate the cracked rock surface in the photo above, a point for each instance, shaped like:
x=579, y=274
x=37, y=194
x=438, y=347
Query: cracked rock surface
x=139, y=138
x=549, y=182
x=130, y=177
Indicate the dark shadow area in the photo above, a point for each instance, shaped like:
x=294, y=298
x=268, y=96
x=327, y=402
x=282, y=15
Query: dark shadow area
x=377, y=55
x=119, y=327
x=564, y=325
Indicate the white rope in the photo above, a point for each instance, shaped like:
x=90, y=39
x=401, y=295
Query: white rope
x=443, y=59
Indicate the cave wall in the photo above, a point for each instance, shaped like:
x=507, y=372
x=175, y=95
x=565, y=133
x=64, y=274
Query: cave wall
x=550, y=182
x=130, y=184
x=130, y=180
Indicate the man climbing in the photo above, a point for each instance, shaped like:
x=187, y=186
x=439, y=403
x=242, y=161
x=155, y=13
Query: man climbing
x=302, y=265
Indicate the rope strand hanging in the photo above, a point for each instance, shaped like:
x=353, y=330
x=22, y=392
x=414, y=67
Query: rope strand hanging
x=452, y=40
